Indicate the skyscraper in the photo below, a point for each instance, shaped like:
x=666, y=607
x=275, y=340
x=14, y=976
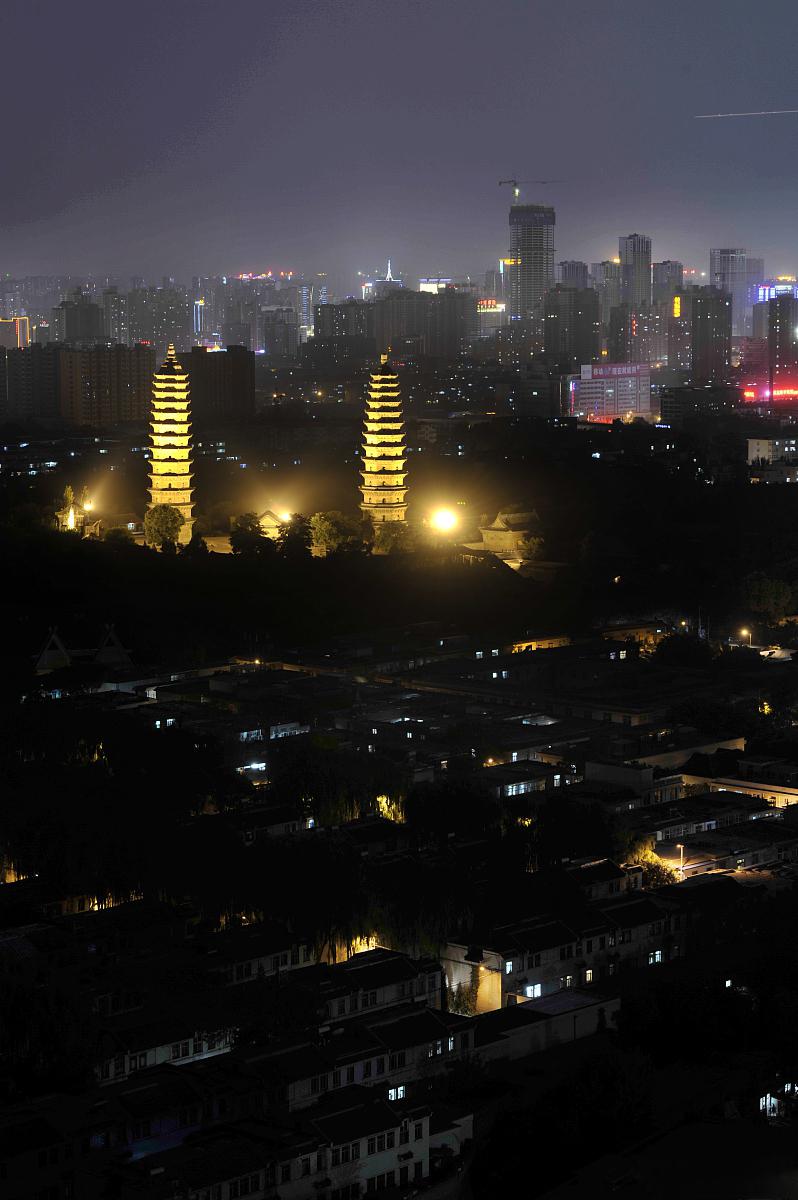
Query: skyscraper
x=635, y=255
x=170, y=434
x=532, y=249
x=383, y=489
x=728, y=271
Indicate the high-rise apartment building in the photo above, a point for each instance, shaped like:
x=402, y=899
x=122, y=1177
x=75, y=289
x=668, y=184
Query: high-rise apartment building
x=222, y=385
x=532, y=252
x=710, y=335
x=573, y=274
x=280, y=332
x=29, y=383
x=115, y=317
x=104, y=385
x=77, y=321
x=349, y=318
x=607, y=282
x=667, y=278
x=571, y=326
x=634, y=251
x=783, y=343
x=160, y=316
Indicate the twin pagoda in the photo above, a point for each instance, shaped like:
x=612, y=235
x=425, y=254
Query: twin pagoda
x=170, y=435
x=384, y=471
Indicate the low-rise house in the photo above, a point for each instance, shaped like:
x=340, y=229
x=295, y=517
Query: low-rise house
x=750, y=845
x=389, y=1052
x=347, y=1146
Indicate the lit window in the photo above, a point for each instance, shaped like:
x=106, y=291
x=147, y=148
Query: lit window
x=508, y=967
x=533, y=991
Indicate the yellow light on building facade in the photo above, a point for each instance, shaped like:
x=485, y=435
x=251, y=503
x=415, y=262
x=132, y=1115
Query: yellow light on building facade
x=170, y=434
x=383, y=488
x=444, y=520
x=677, y=306
x=71, y=517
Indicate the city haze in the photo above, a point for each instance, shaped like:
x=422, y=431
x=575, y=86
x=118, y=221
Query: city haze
x=329, y=136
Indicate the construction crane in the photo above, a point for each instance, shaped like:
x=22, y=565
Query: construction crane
x=516, y=184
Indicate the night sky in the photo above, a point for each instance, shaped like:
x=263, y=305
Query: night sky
x=195, y=137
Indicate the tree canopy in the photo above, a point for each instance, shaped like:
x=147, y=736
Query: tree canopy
x=162, y=524
x=334, y=531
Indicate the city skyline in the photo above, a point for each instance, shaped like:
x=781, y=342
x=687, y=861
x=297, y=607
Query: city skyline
x=327, y=137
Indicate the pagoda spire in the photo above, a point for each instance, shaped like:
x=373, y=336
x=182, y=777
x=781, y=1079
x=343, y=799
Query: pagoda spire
x=170, y=435
x=383, y=489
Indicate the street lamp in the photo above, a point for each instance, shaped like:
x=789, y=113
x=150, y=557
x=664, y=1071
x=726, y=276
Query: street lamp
x=746, y=633
x=444, y=520
x=680, y=848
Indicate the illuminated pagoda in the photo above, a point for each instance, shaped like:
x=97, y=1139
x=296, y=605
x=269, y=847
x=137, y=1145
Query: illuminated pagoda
x=383, y=473
x=170, y=434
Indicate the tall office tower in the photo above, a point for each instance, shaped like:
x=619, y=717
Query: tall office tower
x=115, y=321
x=710, y=335
x=104, y=385
x=532, y=249
x=77, y=321
x=783, y=343
x=667, y=278
x=573, y=274
x=571, y=326
x=634, y=252
x=170, y=434
x=383, y=489
x=728, y=271
x=607, y=282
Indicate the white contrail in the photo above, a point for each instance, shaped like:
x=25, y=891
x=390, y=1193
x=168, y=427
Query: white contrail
x=773, y=112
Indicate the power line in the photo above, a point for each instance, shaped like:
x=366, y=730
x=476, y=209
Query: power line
x=773, y=112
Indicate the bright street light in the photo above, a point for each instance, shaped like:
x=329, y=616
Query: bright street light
x=746, y=633
x=680, y=848
x=444, y=520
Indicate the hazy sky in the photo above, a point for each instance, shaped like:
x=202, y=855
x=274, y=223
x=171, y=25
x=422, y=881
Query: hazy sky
x=184, y=136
